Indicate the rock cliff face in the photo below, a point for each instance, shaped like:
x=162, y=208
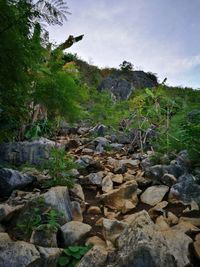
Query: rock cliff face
x=122, y=84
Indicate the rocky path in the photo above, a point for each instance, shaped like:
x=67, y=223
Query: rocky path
x=134, y=214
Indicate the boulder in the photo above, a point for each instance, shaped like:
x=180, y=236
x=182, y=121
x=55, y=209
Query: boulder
x=96, y=256
x=44, y=236
x=73, y=233
x=49, y=256
x=58, y=198
x=107, y=184
x=92, y=179
x=178, y=244
x=123, y=199
x=112, y=229
x=154, y=194
x=32, y=152
x=18, y=254
x=185, y=190
x=7, y=211
x=142, y=244
x=11, y=179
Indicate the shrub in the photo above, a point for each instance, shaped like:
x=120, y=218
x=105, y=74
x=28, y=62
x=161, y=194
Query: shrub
x=72, y=255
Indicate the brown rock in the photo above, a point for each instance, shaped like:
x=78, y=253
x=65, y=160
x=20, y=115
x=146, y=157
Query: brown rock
x=116, y=199
x=154, y=194
x=94, y=210
x=96, y=241
x=107, y=184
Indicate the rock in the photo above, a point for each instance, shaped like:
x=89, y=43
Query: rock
x=154, y=194
x=158, y=173
x=107, y=184
x=73, y=233
x=99, y=129
x=168, y=179
x=92, y=179
x=117, y=146
x=162, y=224
x=194, y=221
x=76, y=211
x=94, y=210
x=193, y=207
x=44, y=236
x=78, y=191
x=88, y=151
x=116, y=199
x=178, y=244
x=83, y=130
x=96, y=256
x=112, y=229
x=101, y=140
x=18, y=254
x=96, y=241
x=158, y=209
x=121, y=85
x=11, y=180
x=58, y=198
x=49, y=256
x=197, y=249
x=171, y=218
x=73, y=143
x=117, y=178
x=186, y=227
x=7, y=211
x=131, y=163
x=185, y=190
x=142, y=244
x=32, y=152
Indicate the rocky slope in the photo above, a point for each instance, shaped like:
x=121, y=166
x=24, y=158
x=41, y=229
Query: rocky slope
x=133, y=213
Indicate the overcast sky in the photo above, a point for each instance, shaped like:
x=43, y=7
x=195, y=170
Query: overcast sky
x=161, y=36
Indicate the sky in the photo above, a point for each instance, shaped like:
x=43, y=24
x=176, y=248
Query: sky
x=160, y=36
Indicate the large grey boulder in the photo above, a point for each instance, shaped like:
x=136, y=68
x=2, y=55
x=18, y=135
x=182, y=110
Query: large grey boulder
x=121, y=84
x=73, y=233
x=185, y=190
x=58, y=198
x=11, y=179
x=141, y=244
x=17, y=254
x=32, y=152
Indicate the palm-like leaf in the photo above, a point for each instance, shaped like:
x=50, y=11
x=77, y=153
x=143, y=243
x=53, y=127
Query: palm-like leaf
x=52, y=11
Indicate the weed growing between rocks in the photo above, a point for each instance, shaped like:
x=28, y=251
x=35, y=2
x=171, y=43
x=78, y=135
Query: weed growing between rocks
x=72, y=255
x=59, y=167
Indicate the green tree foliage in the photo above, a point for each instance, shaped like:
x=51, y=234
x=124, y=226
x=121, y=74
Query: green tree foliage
x=29, y=73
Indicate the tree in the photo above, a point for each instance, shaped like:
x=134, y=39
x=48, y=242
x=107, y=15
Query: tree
x=21, y=54
x=126, y=66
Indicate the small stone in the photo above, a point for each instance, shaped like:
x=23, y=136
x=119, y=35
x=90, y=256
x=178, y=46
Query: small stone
x=94, y=210
x=162, y=224
x=107, y=184
x=154, y=194
x=78, y=191
x=76, y=211
x=117, y=178
x=171, y=218
x=96, y=241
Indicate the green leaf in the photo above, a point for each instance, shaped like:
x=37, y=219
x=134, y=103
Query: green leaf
x=74, y=249
x=63, y=261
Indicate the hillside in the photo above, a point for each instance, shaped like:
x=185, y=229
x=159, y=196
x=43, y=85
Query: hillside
x=98, y=166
